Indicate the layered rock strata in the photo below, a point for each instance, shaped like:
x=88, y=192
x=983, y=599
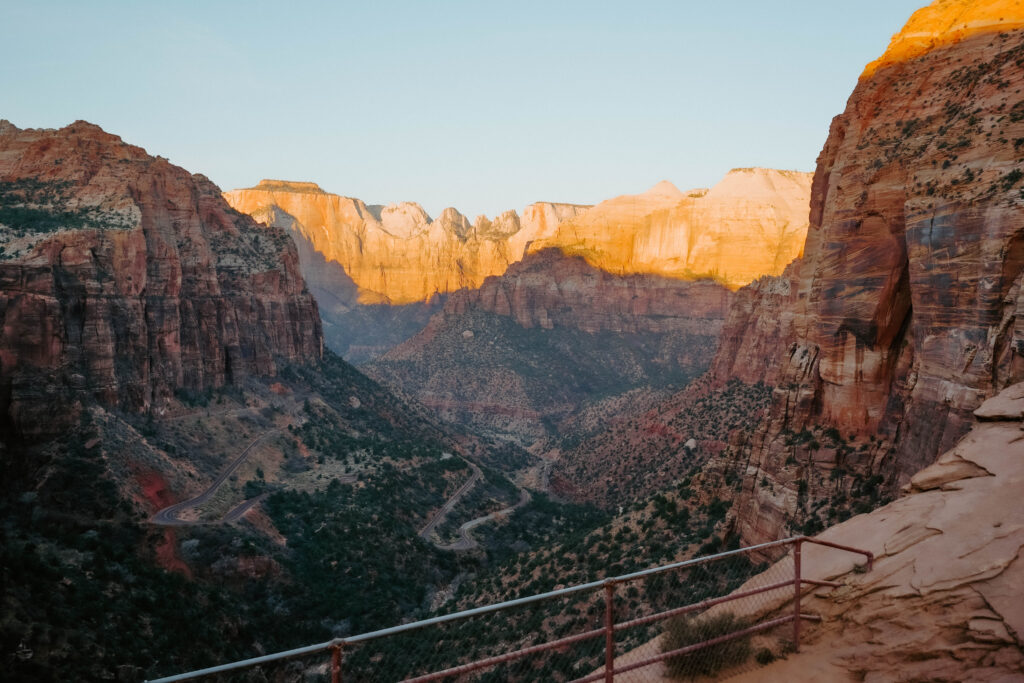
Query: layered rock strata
x=752, y=223
x=125, y=278
x=554, y=333
x=396, y=254
x=905, y=313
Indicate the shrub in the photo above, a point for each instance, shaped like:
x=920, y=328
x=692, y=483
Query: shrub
x=685, y=630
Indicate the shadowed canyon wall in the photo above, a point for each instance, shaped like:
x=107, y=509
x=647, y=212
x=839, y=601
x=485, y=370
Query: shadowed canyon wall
x=904, y=312
x=530, y=347
x=125, y=277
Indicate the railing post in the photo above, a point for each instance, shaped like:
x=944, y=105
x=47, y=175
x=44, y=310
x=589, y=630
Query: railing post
x=796, y=594
x=609, y=632
x=336, y=664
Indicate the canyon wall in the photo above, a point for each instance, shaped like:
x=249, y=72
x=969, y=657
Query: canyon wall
x=124, y=278
x=397, y=254
x=752, y=223
x=531, y=347
x=903, y=315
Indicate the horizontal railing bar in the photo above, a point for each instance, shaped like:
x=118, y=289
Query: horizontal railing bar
x=866, y=553
x=394, y=630
x=277, y=656
x=506, y=657
x=689, y=648
x=710, y=602
x=487, y=609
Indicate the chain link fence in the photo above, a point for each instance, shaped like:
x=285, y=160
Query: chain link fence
x=701, y=619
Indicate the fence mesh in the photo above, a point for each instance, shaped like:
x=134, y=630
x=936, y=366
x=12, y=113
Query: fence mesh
x=718, y=618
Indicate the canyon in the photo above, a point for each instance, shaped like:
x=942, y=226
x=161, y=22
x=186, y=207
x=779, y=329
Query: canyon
x=557, y=335
x=380, y=272
x=655, y=377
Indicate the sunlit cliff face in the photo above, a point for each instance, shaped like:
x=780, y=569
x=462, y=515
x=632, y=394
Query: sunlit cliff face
x=946, y=22
x=752, y=223
x=397, y=254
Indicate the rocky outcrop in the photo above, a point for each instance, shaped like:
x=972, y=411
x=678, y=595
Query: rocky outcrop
x=124, y=277
x=357, y=331
x=760, y=321
x=904, y=316
x=554, y=333
x=397, y=254
x=942, y=600
x=750, y=224
x=548, y=289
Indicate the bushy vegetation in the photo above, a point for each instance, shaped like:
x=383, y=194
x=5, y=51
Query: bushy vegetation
x=30, y=205
x=686, y=630
x=645, y=453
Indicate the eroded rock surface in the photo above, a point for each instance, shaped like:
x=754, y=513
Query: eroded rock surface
x=125, y=278
x=903, y=315
x=397, y=254
x=943, y=601
x=529, y=347
x=752, y=223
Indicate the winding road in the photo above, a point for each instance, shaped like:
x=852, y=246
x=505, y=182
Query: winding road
x=439, y=516
x=466, y=542
x=169, y=515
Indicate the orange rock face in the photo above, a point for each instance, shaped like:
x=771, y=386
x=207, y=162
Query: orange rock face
x=125, y=278
x=397, y=254
x=945, y=23
x=750, y=224
x=906, y=310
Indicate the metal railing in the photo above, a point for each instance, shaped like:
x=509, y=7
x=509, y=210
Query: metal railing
x=337, y=648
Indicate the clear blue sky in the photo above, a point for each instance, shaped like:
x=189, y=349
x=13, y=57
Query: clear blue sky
x=481, y=105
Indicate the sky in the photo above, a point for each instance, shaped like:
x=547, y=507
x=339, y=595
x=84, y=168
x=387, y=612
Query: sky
x=481, y=105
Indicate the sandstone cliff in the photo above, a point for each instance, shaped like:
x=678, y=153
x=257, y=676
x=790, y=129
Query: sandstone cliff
x=397, y=254
x=942, y=601
x=125, y=277
x=554, y=334
x=902, y=315
x=906, y=314
x=750, y=224
x=357, y=331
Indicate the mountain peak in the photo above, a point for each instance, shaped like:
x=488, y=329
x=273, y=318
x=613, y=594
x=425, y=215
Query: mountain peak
x=289, y=186
x=945, y=22
x=664, y=189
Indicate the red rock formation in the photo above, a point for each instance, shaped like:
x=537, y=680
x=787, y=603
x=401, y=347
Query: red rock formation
x=548, y=289
x=554, y=333
x=125, y=277
x=906, y=314
x=760, y=321
x=397, y=254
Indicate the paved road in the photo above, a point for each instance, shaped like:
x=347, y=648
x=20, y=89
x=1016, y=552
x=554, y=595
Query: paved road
x=466, y=542
x=439, y=516
x=236, y=513
x=169, y=515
